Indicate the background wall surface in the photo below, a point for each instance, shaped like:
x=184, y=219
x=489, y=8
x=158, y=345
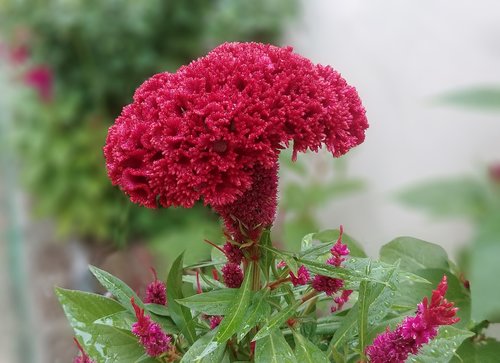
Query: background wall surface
x=401, y=55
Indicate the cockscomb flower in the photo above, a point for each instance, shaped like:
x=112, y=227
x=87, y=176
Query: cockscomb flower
x=232, y=274
x=154, y=340
x=83, y=358
x=415, y=331
x=302, y=277
x=213, y=131
x=156, y=292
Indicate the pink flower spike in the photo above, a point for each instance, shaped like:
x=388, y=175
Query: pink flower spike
x=214, y=321
x=156, y=292
x=151, y=336
x=232, y=274
x=415, y=331
x=83, y=358
x=302, y=277
x=233, y=253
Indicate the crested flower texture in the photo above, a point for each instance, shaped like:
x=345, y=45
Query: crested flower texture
x=415, y=331
x=233, y=253
x=213, y=131
x=156, y=292
x=154, y=340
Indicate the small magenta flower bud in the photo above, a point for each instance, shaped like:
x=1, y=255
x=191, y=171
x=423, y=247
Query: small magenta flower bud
x=156, y=292
x=233, y=275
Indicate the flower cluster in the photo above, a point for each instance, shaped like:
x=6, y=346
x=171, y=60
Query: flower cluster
x=156, y=292
x=331, y=285
x=154, y=340
x=83, y=358
x=415, y=331
x=232, y=274
x=213, y=130
x=302, y=277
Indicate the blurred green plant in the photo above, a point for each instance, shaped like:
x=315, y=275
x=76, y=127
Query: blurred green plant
x=307, y=184
x=97, y=52
x=476, y=199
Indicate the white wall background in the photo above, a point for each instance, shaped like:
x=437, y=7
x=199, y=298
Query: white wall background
x=400, y=54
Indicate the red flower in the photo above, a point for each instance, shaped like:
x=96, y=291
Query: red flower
x=156, y=292
x=41, y=79
x=213, y=131
x=233, y=275
x=414, y=331
x=154, y=340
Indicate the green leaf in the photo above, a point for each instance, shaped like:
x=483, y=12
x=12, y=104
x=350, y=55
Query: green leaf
x=194, y=352
x=120, y=346
x=258, y=311
x=266, y=258
x=306, y=351
x=462, y=197
x=121, y=320
x=234, y=319
x=273, y=348
x=414, y=254
x=483, y=98
x=485, y=269
x=180, y=314
x=478, y=351
x=329, y=238
x=374, y=302
x=82, y=309
x=216, y=302
x=441, y=348
x=329, y=270
x=289, y=258
x=157, y=309
x=117, y=287
x=276, y=321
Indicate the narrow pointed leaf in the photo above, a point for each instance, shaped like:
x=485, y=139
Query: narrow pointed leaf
x=120, y=290
x=306, y=351
x=273, y=348
x=259, y=311
x=277, y=320
x=216, y=302
x=180, y=314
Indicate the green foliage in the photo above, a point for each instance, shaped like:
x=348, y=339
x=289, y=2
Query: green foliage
x=99, y=51
x=303, y=193
x=478, y=200
x=482, y=98
x=286, y=323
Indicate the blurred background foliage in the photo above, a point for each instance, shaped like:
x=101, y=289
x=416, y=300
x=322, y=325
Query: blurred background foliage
x=475, y=198
x=84, y=59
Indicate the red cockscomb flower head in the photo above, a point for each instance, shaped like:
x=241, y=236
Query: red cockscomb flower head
x=232, y=274
x=154, y=340
x=156, y=292
x=83, y=358
x=415, y=331
x=213, y=131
